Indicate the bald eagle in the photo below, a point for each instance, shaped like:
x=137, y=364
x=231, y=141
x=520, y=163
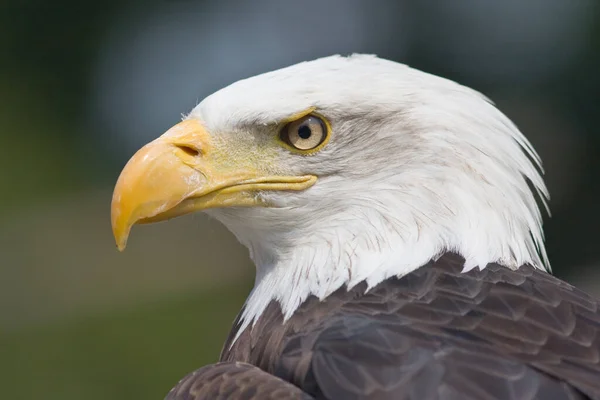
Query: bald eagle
x=393, y=219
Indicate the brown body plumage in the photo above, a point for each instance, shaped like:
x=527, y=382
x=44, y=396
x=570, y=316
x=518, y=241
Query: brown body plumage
x=436, y=333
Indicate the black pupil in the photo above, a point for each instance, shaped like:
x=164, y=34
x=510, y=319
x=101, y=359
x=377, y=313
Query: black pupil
x=304, y=131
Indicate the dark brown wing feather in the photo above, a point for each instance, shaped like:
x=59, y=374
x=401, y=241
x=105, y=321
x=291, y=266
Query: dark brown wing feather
x=436, y=333
x=234, y=381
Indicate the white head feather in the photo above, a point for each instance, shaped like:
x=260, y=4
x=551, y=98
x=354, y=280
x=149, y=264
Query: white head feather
x=417, y=166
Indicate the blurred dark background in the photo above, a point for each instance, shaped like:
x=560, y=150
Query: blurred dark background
x=82, y=87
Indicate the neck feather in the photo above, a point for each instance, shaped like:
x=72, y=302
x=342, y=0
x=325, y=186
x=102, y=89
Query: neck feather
x=395, y=229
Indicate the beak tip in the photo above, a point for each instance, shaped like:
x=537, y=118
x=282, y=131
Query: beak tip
x=121, y=236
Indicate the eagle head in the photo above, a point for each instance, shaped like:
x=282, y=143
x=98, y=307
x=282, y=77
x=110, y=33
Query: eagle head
x=342, y=170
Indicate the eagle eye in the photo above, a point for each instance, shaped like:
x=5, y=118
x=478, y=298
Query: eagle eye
x=306, y=133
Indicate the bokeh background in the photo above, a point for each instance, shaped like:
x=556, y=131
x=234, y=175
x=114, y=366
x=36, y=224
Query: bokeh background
x=82, y=87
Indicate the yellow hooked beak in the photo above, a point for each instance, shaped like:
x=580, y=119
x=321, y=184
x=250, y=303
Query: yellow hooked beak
x=182, y=172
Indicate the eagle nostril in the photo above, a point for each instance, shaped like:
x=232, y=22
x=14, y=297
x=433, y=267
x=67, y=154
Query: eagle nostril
x=189, y=150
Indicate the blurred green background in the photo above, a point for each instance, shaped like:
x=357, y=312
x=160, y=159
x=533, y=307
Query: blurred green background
x=82, y=87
